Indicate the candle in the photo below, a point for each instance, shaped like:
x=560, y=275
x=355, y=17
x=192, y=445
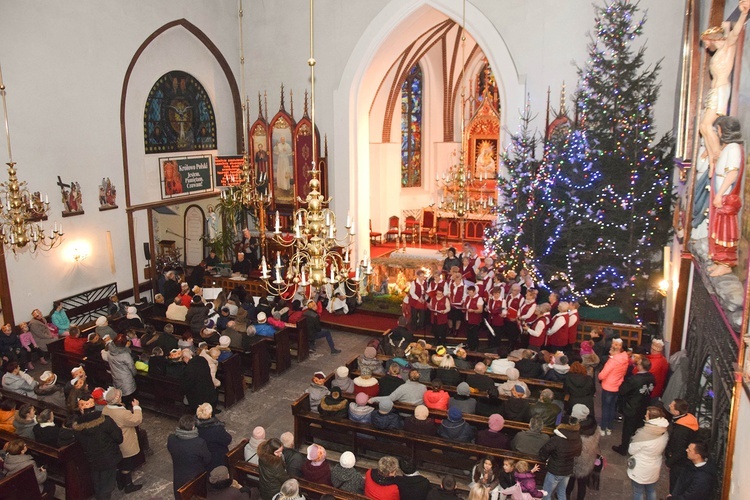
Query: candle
x=356, y=275
x=61, y=231
x=328, y=218
x=278, y=276
x=348, y=219
x=346, y=257
x=278, y=259
x=278, y=223
x=330, y=232
x=351, y=230
x=332, y=276
x=297, y=233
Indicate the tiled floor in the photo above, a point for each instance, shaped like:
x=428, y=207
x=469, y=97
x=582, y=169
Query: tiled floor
x=270, y=408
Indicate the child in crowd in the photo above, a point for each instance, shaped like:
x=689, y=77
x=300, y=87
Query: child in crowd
x=526, y=478
x=28, y=342
x=133, y=338
x=505, y=477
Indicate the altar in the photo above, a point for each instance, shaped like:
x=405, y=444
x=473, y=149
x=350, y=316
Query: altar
x=400, y=266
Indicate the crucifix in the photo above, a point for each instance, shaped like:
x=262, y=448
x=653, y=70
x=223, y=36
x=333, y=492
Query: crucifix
x=64, y=193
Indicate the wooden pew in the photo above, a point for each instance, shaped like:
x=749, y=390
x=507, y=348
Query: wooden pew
x=249, y=473
x=197, y=488
x=421, y=449
x=61, y=413
x=20, y=486
x=161, y=394
x=68, y=461
x=300, y=340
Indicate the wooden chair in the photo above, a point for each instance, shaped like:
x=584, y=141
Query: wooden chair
x=428, y=231
x=374, y=237
x=411, y=227
x=442, y=230
x=393, y=228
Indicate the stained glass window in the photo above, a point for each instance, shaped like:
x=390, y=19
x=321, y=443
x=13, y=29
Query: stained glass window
x=411, y=129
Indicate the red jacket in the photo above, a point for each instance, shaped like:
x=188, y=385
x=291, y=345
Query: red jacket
x=76, y=346
x=377, y=491
x=436, y=306
x=660, y=370
x=436, y=400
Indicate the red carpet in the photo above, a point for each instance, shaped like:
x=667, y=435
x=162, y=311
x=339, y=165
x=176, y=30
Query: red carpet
x=380, y=250
x=361, y=322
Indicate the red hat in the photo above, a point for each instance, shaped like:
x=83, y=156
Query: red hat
x=98, y=395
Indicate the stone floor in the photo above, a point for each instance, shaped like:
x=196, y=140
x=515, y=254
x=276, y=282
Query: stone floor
x=270, y=408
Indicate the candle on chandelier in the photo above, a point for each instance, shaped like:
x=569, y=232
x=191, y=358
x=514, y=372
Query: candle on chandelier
x=264, y=267
x=278, y=276
x=278, y=223
x=332, y=275
x=351, y=230
x=348, y=219
x=278, y=259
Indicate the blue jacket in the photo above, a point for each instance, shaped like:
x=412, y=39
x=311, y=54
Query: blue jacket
x=264, y=330
x=390, y=420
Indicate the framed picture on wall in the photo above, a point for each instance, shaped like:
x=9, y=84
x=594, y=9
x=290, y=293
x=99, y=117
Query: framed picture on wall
x=184, y=175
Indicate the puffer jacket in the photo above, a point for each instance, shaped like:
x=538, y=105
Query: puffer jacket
x=646, y=450
x=347, y=479
x=371, y=363
x=22, y=384
x=614, y=371
x=122, y=367
x=562, y=448
x=390, y=420
x=317, y=393
x=437, y=400
x=362, y=414
x=100, y=439
x=14, y=463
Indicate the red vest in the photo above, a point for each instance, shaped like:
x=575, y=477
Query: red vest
x=540, y=340
x=560, y=337
x=513, y=305
x=473, y=318
x=523, y=314
x=572, y=327
x=456, y=294
x=420, y=290
x=495, y=309
x=484, y=287
x=439, y=318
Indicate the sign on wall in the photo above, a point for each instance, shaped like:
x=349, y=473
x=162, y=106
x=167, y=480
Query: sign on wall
x=185, y=175
x=229, y=170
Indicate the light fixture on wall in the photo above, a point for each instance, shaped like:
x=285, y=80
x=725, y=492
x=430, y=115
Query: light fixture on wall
x=319, y=258
x=78, y=251
x=21, y=211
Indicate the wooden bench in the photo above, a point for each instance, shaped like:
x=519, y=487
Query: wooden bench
x=278, y=346
x=21, y=485
x=158, y=393
x=61, y=413
x=197, y=488
x=421, y=449
x=66, y=466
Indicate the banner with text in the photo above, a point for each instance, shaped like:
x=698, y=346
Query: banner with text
x=185, y=175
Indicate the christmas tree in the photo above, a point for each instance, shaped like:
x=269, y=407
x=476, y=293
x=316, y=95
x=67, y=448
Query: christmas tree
x=520, y=217
x=612, y=181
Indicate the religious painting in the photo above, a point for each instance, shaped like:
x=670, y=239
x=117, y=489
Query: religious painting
x=185, y=175
x=178, y=116
x=283, y=161
x=304, y=157
x=72, y=198
x=259, y=150
x=107, y=195
x=483, y=140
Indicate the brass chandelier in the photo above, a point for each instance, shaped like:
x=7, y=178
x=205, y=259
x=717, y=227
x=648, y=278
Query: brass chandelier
x=21, y=211
x=319, y=258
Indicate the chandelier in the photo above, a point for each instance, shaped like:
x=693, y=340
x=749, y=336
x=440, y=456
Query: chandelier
x=252, y=190
x=458, y=183
x=319, y=258
x=21, y=212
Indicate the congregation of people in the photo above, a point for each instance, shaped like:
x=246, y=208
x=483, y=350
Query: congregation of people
x=527, y=341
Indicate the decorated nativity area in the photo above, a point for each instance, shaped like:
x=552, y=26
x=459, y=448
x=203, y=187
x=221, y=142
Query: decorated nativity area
x=416, y=249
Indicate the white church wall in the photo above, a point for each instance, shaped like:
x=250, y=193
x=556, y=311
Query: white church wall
x=740, y=483
x=63, y=65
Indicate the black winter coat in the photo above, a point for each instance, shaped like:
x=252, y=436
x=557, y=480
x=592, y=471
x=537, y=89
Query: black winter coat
x=196, y=316
x=516, y=409
x=217, y=439
x=100, y=438
x=388, y=384
x=529, y=368
x=449, y=376
x=190, y=458
x=580, y=390
x=197, y=383
x=390, y=420
x=10, y=345
x=559, y=452
x=696, y=483
x=680, y=436
x=547, y=411
x=635, y=394
x=480, y=382
x=460, y=431
x=413, y=487
x=294, y=461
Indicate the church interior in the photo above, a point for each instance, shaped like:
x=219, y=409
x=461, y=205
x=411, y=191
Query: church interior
x=354, y=143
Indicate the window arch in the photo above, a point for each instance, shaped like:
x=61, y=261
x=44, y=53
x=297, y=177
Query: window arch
x=178, y=116
x=411, y=128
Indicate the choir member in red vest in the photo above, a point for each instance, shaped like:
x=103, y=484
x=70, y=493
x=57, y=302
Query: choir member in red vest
x=467, y=270
x=558, y=329
x=494, y=307
x=526, y=314
x=554, y=301
x=484, y=284
x=573, y=320
x=418, y=300
x=455, y=289
x=510, y=279
x=440, y=306
x=538, y=328
x=514, y=301
x=474, y=307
